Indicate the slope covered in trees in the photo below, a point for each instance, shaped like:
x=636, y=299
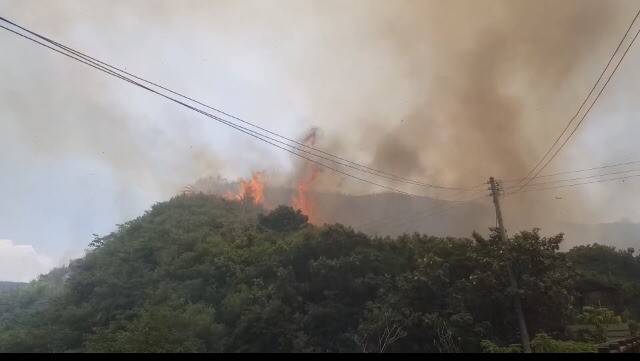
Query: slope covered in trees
x=199, y=273
x=10, y=286
x=392, y=214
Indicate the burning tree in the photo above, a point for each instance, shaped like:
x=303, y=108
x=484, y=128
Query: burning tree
x=249, y=190
x=302, y=199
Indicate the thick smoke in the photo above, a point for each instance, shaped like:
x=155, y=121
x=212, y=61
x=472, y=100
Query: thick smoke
x=443, y=91
x=481, y=67
x=485, y=88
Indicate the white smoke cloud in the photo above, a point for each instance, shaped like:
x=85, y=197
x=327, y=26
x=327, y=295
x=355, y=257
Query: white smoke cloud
x=21, y=263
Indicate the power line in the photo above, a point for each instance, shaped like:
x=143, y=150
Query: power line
x=442, y=210
x=251, y=133
x=106, y=68
x=573, y=185
x=583, y=104
x=589, y=109
x=455, y=204
x=348, y=163
x=614, y=165
x=421, y=214
x=459, y=203
x=579, y=178
x=458, y=195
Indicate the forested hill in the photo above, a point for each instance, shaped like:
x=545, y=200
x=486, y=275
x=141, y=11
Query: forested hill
x=199, y=273
x=393, y=214
x=10, y=286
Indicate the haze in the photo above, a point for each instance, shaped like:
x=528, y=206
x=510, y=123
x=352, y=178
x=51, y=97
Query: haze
x=444, y=92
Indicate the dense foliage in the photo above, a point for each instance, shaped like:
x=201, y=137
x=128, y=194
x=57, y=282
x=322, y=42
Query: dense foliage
x=199, y=273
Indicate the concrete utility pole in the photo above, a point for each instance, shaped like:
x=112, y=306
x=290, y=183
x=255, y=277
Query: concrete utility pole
x=517, y=302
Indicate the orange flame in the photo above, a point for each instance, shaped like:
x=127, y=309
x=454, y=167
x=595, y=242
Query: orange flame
x=302, y=200
x=250, y=190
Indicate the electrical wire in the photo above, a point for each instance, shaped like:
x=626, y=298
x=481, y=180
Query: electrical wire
x=613, y=165
x=232, y=125
x=533, y=170
x=347, y=163
x=573, y=185
x=578, y=178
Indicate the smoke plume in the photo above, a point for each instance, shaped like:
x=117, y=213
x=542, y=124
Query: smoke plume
x=446, y=92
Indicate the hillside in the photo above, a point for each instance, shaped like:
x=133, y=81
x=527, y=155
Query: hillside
x=391, y=214
x=620, y=234
x=6, y=286
x=202, y=274
x=376, y=214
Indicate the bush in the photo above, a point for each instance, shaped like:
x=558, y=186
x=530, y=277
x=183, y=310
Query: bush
x=283, y=219
x=598, y=316
x=490, y=347
x=543, y=343
x=594, y=335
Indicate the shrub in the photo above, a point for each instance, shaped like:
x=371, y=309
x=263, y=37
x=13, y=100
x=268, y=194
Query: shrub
x=283, y=219
x=490, y=347
x=543, y=343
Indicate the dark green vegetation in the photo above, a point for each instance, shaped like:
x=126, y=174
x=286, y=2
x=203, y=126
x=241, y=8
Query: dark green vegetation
x=200, y=273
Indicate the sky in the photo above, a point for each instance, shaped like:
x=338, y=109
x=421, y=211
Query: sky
x=449, y=92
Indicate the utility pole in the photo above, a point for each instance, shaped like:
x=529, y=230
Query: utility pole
x=517, y=301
